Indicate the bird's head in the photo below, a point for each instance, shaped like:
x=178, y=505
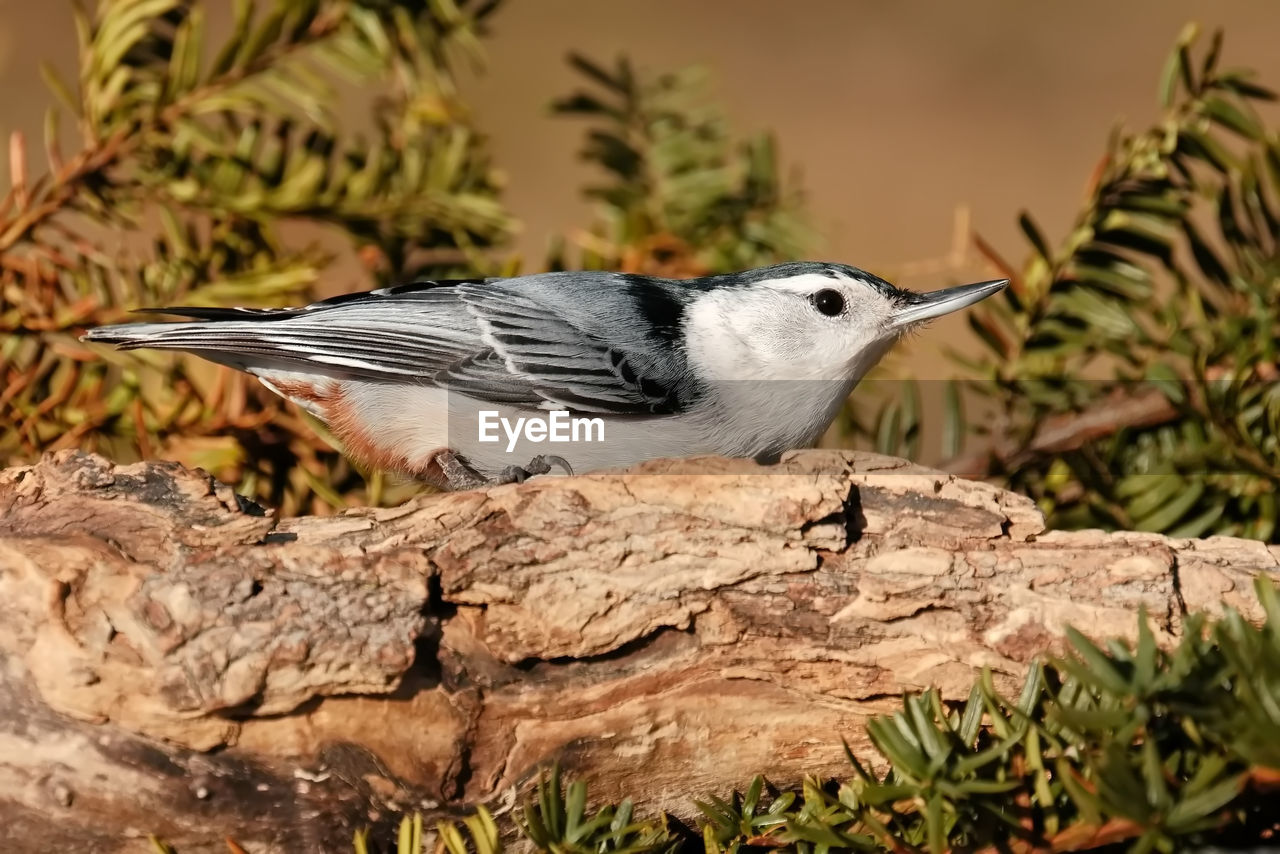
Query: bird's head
x=810, y=321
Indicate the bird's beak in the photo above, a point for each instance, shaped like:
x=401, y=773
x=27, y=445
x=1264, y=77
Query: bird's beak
x=918, y=308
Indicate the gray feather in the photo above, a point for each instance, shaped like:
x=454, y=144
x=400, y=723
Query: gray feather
x=577, y=341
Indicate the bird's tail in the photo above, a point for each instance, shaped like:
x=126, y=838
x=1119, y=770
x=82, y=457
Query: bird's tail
x=218, y=343
x=131, y=336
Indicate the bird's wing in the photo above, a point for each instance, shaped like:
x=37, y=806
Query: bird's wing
x=550, y=346
x=554, y=341
x=424, y=291
x=409, y=331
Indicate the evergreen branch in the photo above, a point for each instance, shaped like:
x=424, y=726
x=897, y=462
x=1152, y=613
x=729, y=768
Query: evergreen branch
x=163, y=138
x=38, y=207
x=102, y=153
x=1060, y=434
x=1168, y=281
x=680, y=197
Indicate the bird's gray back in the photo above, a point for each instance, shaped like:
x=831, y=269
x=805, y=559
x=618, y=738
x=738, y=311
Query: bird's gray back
x=597, y=341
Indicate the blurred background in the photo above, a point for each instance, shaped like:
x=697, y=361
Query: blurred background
x=906, y=138
x=898, y=117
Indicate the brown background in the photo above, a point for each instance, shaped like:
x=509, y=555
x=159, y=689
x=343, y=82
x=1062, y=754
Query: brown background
x=898, y=114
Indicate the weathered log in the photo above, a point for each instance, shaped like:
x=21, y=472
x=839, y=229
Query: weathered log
x=177, y=661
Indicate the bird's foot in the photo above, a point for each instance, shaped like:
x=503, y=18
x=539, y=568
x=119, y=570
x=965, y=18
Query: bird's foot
x=538, y=465
x=460, y=476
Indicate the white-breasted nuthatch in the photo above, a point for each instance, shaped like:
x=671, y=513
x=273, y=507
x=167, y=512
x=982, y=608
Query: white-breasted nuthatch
x=417, y=378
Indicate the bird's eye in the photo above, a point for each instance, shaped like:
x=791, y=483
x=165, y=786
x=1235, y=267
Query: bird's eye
x=828, y=301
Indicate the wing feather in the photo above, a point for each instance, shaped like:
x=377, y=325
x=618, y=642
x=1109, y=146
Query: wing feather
x=553, y=340
x=385, y=334
x=553, y=352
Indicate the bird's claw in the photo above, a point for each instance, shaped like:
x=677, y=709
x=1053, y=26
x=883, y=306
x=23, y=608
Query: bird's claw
x=459, y=475
x=540, y=464
x=549, y=460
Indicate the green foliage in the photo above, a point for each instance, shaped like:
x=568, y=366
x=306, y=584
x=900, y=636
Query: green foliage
x=194, y=157
x=201, y=160
x=1172, y=271
x=1168, y=285
x=558, y=823
x=481, y=834
x=680, y=197
x=1118, y=744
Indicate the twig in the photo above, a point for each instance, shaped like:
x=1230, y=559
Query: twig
x=99, y=157
x=65, y=187
x=956, y=259
x=986, y=250
x=1071, y=431
x=18, y=167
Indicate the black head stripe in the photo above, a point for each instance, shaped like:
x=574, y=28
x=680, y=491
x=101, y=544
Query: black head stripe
x=792, y=269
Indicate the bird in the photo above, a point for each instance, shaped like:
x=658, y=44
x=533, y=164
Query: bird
x=454, y=381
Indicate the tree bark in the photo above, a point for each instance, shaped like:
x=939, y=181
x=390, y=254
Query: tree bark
x=177, y=661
